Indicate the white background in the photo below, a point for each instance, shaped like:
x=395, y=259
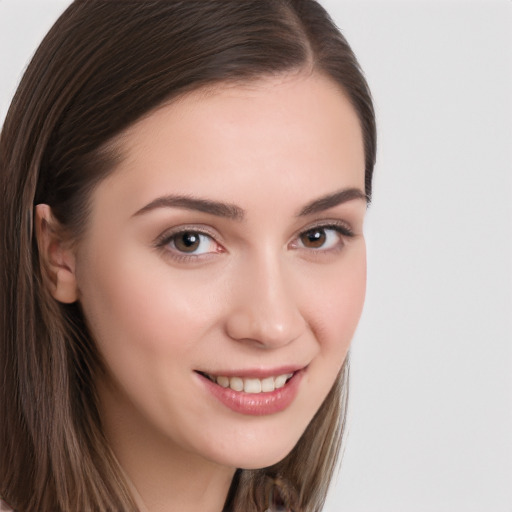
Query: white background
x=431, y=392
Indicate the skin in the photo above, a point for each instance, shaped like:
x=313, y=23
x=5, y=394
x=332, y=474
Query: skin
x=253, y=296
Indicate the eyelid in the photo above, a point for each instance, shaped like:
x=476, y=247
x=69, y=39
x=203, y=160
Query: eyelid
x=163, y=240
x=341, y=226
x=165, y=237
x=343, y=229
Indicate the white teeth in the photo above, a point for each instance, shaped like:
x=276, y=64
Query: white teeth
x=236, y=383
x=252, y=385
x=267, y=384
x=280, y=381
x=223, y=381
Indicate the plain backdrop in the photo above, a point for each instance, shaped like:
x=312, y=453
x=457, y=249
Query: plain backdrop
x=431, y=391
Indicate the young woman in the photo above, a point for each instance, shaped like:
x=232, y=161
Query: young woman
x=184, y=186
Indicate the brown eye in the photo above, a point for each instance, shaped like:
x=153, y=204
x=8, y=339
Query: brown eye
x=324, y=238
x=187, y=241
x=313, y=239
x=188, y=245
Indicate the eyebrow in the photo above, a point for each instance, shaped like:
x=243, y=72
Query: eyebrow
x=233, y=212
x=332, y=200
x=226, y=210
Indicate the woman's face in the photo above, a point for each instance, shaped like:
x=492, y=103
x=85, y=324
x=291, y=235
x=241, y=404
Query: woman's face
x=227, y=249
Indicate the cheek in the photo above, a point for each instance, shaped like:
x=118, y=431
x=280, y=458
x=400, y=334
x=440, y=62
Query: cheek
x=138, y=310
x=339, y=302
x=144, y=319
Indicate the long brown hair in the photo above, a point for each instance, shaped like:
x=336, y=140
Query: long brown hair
x=102, y=66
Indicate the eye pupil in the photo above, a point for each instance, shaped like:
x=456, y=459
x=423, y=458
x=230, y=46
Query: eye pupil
x=314, y=238
x=187, y=241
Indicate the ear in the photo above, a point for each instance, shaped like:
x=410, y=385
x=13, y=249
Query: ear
x=56, y=257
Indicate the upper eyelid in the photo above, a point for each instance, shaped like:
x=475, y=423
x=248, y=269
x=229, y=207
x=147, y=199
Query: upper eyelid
x=161, y=243
x=325, y=224
x=202, y=230
x=215, y=235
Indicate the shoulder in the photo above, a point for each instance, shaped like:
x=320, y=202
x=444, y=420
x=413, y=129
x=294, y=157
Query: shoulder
x=4, y=507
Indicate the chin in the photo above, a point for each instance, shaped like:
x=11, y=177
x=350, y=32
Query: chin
x=258, y=453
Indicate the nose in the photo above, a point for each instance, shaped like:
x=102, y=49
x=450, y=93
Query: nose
x=265, y=310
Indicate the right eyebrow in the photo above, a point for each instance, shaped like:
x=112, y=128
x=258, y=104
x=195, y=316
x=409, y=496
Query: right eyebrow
x=219, y=209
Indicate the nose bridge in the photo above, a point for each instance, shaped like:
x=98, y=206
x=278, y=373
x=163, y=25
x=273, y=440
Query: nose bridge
x=265, y=309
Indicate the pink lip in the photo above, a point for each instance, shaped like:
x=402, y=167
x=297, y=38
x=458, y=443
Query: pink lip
x=256, y=404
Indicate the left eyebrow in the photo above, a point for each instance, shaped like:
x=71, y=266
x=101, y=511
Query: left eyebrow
x=332, y=200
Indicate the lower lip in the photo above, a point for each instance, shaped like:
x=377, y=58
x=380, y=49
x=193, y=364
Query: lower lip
x=256, y=404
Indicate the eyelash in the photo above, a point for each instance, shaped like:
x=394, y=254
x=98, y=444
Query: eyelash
x=344, y=231
x=168, y=238
x=161, y=243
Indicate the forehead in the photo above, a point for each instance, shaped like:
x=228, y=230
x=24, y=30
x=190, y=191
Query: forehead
x=292, y=131
x=296, y=97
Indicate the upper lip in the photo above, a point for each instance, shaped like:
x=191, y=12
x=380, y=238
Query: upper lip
x=258, y=373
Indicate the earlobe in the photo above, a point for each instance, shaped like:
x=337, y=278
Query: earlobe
x=56, y=256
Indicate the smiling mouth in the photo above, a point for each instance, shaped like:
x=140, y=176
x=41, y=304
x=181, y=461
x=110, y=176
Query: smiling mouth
x=250, y=385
